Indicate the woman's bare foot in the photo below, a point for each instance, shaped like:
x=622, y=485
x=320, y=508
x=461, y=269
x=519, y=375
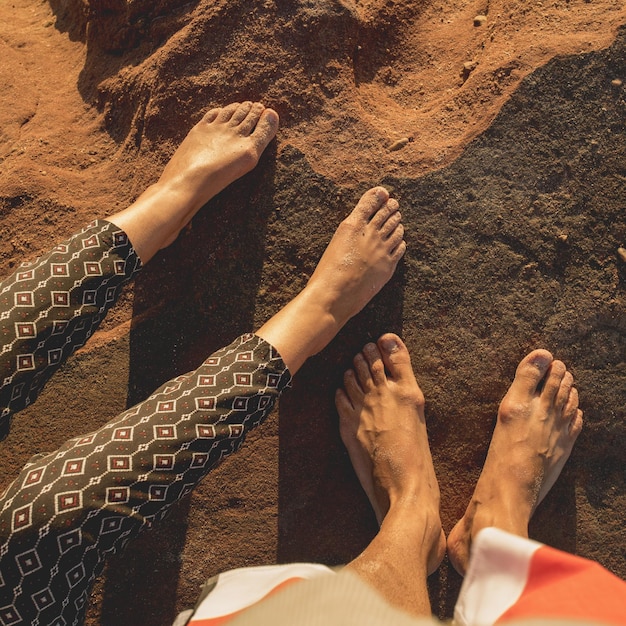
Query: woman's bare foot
x=382, y=425
x=226, y=144
x=538, y=423
x=362, y=255
x=359, y=260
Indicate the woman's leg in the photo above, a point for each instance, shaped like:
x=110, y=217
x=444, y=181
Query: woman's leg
x=226, y=144
x=50, y=307
x=66, y=511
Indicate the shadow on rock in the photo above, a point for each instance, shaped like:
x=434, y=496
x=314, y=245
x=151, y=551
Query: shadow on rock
x=193, y=298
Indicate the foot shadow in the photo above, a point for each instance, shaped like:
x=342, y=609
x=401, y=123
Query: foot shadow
x=193, y=298
x=324, y=514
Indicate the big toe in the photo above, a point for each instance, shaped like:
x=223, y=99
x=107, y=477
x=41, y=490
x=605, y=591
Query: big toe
x=531, y=372
x=263, y=127
x=395, y=356
x=371, y=201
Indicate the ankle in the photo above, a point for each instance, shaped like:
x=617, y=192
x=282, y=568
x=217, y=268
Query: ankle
x=181, y=199
x=499, y=511
x=301, y=329
x=421, y=530
x=320, y=295
x=320, y=299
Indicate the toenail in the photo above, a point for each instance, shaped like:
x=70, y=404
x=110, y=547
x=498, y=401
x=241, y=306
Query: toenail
x=381, y=193
x=369, y=347
x=389, y=344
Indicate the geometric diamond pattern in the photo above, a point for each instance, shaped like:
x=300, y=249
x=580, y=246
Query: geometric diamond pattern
x=25, y=330
x=60, y=298
x=163, y=461
x=110, y=525
x=243, y=379
x=205, y=431
x=9, y=615
x=206, y=404
x=91, y=241
x=164, y=432
x=43, y=598
x=92, y=268
x=22, y=517
x=68, y=509
x=157, y=492
x=24, y=298
x=25, y=362
x=28, y=562
x=60, y=269
x=117, y=495
x=119, y=463
x=240, y=403
x=68, y=501
x=206, y=381
x=75, y=575
x=75, y=466
x=69, y=540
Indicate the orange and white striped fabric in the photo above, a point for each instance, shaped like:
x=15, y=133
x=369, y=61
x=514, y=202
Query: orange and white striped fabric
x=239, y=589
x=511, y=578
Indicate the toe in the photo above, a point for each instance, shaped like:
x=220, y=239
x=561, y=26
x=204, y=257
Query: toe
x=227, y=112
x=375, y=362
x=344, y=408
x=371, y=201
x=570, y=407
x=396, y=238
x=391, y=224
x=211, y=116
x=240, y=113
x=362, y=371
x=395, y=356
x=262, y=128
x=352, y=388
x=249, y=121
x=398, y=252
x=384, y=213
x=577, y=424
x=563, y=394
x=553, y=381
x=531, y=372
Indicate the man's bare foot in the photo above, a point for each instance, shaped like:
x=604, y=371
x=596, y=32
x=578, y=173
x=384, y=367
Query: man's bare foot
x=359, y=260
x=538, y=423
x=383, y=427
x=226, y=144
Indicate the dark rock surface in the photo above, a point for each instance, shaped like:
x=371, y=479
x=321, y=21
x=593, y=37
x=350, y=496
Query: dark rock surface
x=513, y=201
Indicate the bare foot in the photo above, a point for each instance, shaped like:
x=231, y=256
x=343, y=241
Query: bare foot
x=383, y=427
x=538, y=423
x=359, y=260
x=362, y=255
x=226, y=144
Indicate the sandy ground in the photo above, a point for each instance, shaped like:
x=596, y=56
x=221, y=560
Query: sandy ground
x=511, y=174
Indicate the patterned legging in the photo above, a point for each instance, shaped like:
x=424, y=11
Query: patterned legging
x=67, y=510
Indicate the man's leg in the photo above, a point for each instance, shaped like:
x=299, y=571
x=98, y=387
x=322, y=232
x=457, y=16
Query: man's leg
x=381, y=410
x=66, y=511
x=538, y=423
x=50, y=307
